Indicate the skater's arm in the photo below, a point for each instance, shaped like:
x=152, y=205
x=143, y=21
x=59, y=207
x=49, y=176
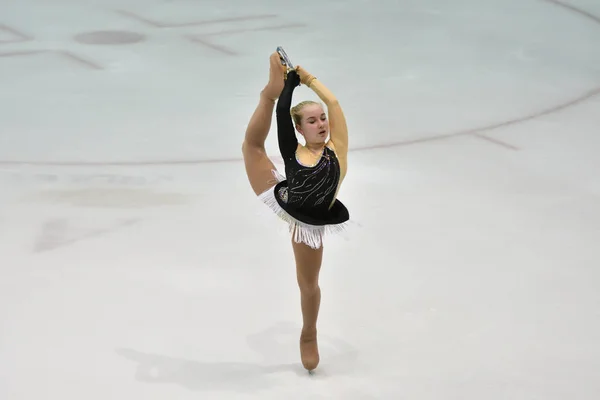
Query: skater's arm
x=337, y=119
x=286, y=134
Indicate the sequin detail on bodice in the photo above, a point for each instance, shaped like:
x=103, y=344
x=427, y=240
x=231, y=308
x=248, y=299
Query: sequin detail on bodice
x=312, y=189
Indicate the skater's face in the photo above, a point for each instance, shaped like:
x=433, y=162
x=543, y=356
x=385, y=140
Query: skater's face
x=314, y=125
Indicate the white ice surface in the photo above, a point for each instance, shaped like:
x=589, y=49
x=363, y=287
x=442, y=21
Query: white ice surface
x=136, y=263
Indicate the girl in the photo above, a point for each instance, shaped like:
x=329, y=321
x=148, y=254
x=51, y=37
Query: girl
x=307, y=197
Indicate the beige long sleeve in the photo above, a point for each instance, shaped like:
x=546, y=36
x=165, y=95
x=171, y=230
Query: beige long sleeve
x=337, y=121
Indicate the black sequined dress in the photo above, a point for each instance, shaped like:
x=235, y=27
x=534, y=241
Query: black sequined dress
x=306, y=197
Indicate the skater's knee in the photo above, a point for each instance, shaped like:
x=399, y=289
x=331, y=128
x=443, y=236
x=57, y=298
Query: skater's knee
x=308, y=288
x=245, y=147
x=250, y=148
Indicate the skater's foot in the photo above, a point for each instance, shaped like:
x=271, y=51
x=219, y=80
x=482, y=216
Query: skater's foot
x=276, y=78
x=309, y=351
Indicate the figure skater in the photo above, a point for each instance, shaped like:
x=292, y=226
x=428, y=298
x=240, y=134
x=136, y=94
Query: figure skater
x=307, y=197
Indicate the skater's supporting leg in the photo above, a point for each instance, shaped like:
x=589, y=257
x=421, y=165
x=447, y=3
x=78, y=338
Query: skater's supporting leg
x=308, y=266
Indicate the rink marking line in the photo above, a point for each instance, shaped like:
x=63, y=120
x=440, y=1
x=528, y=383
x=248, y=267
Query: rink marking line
x=256, y=29
x=62, y=53
x=576, y=10
x=202, y=38
x=157, y=24
x=198, y=39
x=476, y=132
x=495, y=141
x=19, y=36
x=77, y=59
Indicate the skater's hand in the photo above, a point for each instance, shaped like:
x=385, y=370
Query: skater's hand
x=305, y=77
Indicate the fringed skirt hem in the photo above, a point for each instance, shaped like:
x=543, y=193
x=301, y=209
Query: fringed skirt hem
x=311, y=235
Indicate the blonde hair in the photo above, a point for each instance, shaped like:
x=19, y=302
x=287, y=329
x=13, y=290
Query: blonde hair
x=296, y=111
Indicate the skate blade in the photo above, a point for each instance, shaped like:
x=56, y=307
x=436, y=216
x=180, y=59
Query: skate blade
x=285, y=60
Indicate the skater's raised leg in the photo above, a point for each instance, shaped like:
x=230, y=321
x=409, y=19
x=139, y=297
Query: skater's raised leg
x=258, y=165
